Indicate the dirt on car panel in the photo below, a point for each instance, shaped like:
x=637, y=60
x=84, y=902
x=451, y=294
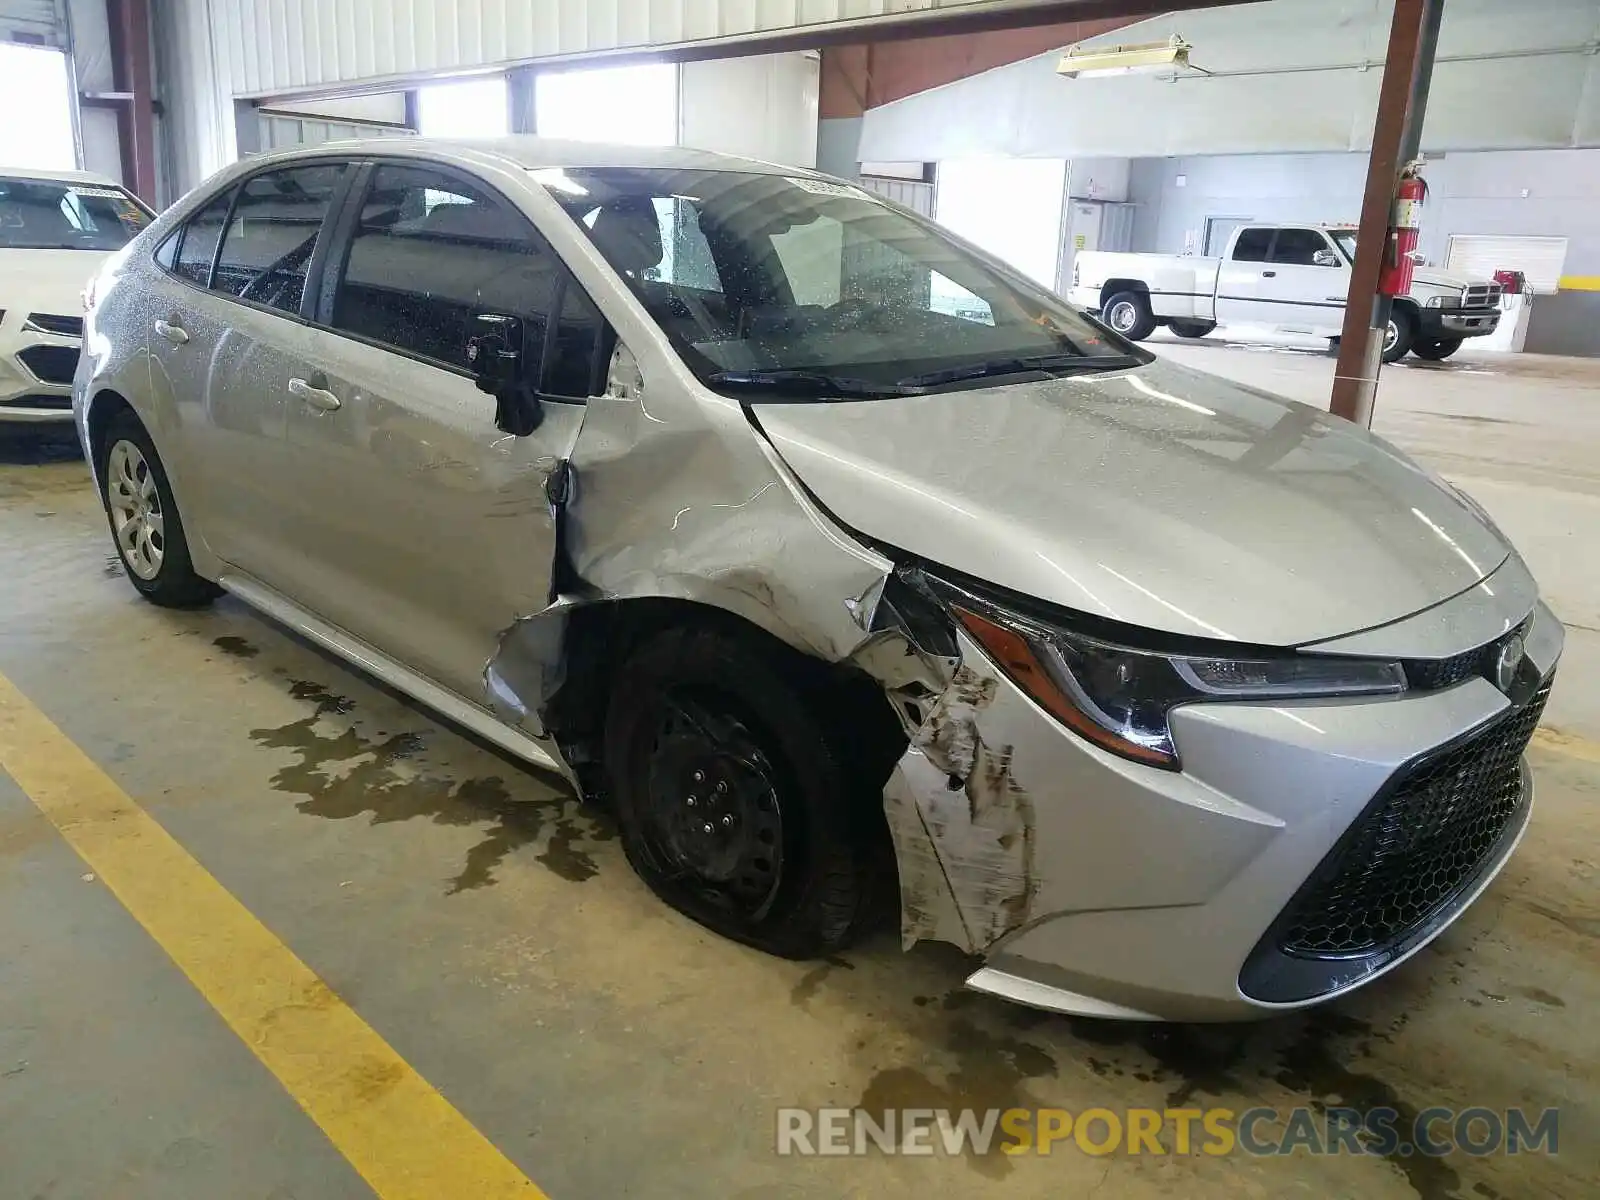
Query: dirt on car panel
x=980, y=823
x=343, y=772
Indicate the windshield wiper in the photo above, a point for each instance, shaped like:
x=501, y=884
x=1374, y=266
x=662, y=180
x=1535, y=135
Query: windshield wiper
x=809, y=383
x=1058, y=364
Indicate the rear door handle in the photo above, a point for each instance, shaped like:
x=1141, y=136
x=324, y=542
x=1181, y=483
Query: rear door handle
x=319, y=398
x=173, y=332
x=1269, y=274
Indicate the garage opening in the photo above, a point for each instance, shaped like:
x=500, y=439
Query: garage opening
x=35, y=80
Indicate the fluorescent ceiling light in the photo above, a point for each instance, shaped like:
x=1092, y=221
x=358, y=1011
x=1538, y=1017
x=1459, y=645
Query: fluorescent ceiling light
x=1087, y=63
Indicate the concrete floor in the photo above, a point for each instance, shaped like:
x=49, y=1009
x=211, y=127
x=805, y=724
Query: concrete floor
x=490, y=930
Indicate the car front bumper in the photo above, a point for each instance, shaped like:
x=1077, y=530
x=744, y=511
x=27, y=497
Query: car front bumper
x=35, y=388
x=1458, y=322
x=1099, y=886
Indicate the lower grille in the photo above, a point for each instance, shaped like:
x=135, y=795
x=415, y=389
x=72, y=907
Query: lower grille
x=51, y=364
x=1414, y=849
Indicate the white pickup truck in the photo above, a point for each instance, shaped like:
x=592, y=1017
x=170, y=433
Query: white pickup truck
x=1292, y=278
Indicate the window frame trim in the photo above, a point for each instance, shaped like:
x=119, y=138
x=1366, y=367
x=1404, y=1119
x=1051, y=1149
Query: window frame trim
x=234, y=190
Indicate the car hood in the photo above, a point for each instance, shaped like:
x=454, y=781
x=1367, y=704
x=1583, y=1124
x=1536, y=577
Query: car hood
x=1445, y=279
x=1160, y=497
x=47, y=281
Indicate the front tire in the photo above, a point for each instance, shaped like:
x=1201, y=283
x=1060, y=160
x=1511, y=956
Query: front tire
x=732, y=800
x=1400, y=336
x=1436, y=349
x=1129, y=314
x=145, y=524
x=1192, y=329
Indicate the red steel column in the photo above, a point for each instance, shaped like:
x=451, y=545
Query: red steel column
x=133, y=77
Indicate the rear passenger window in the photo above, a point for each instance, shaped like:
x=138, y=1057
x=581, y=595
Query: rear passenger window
x=199, y=240
x=1252, y=245
x=272, y=233
x=432, y=252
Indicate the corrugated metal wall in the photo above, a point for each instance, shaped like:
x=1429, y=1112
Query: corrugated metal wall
x=40, y=22
x=272, y=47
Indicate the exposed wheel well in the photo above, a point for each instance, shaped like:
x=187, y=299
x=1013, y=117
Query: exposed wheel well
x=601, y=636
x=102, y=411
x=1112, y=286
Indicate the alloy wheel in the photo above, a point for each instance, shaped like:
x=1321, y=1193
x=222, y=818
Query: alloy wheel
x=136, y=516
x=1391, y=335
x=1123, y=317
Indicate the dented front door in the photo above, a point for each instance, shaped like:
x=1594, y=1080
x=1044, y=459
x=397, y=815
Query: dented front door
x=423, y=529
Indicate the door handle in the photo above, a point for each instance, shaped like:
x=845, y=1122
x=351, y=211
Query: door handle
x=173, y=332
x=1269, y=274
x=319, y=398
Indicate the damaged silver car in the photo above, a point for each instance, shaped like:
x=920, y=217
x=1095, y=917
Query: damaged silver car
x=837, y=557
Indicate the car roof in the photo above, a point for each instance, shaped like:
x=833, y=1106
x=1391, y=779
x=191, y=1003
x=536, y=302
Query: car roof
x=532, y=152
x=57, y=176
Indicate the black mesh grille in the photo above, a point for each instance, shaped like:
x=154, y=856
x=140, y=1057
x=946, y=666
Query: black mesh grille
x=1414, y=848
x=51, y=364
x=56, y=323
x=1432, y=674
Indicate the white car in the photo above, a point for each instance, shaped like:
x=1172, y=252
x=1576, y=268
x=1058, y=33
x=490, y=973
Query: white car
x=56, y=228
x=1291, y=278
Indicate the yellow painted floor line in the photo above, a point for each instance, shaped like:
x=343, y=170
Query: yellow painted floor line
x=1569, y=744
x=396, y=1130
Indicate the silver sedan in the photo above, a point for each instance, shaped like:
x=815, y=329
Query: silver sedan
x=829, y=551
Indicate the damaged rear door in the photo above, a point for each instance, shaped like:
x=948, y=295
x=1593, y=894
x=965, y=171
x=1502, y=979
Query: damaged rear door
x=425, y=529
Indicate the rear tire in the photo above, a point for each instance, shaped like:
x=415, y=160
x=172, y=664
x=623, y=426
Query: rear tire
x=1192, y=329
x=145, y=525
x=1400, y=335
x=1128, y=313
x=1436, y=349
x=733, y=802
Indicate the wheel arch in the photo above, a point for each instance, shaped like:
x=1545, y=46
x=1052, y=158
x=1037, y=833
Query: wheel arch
x=599, y=637
x=102, y=409
x=1111, y=287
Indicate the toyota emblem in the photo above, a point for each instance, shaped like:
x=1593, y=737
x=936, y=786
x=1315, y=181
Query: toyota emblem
x=1507, y=662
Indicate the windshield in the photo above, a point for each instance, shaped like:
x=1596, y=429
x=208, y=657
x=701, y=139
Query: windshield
x=1346, y=239
x=819, y=286
x=43, y=214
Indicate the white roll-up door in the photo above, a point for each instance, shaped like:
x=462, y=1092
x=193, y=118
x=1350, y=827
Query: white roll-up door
x=1541, y=259
x=36, y=22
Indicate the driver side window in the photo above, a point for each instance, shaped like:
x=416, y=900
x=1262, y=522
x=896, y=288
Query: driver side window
x=267, y=247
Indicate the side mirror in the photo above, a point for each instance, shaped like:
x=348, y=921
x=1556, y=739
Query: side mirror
x=1325, y=258
x=494, y=352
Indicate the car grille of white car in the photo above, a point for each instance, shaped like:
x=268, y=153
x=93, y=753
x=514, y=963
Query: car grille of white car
x=56, y=323
x=50, y=364
x=1481, y=295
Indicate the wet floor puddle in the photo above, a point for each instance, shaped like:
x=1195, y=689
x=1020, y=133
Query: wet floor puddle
x=344, y=772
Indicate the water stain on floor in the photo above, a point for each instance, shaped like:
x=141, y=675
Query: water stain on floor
x=344, y=773
x=236, y=647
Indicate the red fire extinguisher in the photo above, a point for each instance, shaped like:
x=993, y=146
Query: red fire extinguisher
x=1405, y=230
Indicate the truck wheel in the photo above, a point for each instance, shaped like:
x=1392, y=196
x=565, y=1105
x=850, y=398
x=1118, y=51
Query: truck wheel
x=1192, y=329
x=1129, y=314
x=1436, y=349
x=1400, y=336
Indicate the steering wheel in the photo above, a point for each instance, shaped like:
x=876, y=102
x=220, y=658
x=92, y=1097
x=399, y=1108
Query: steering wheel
x=853, y=312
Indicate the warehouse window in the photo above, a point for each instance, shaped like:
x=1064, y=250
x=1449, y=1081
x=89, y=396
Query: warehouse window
x=475, y=108
x=637, y=106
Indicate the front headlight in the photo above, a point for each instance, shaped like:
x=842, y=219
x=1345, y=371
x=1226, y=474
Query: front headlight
x=1120, y=697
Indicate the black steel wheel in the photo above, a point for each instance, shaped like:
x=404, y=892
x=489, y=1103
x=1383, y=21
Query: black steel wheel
x=731, y=799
